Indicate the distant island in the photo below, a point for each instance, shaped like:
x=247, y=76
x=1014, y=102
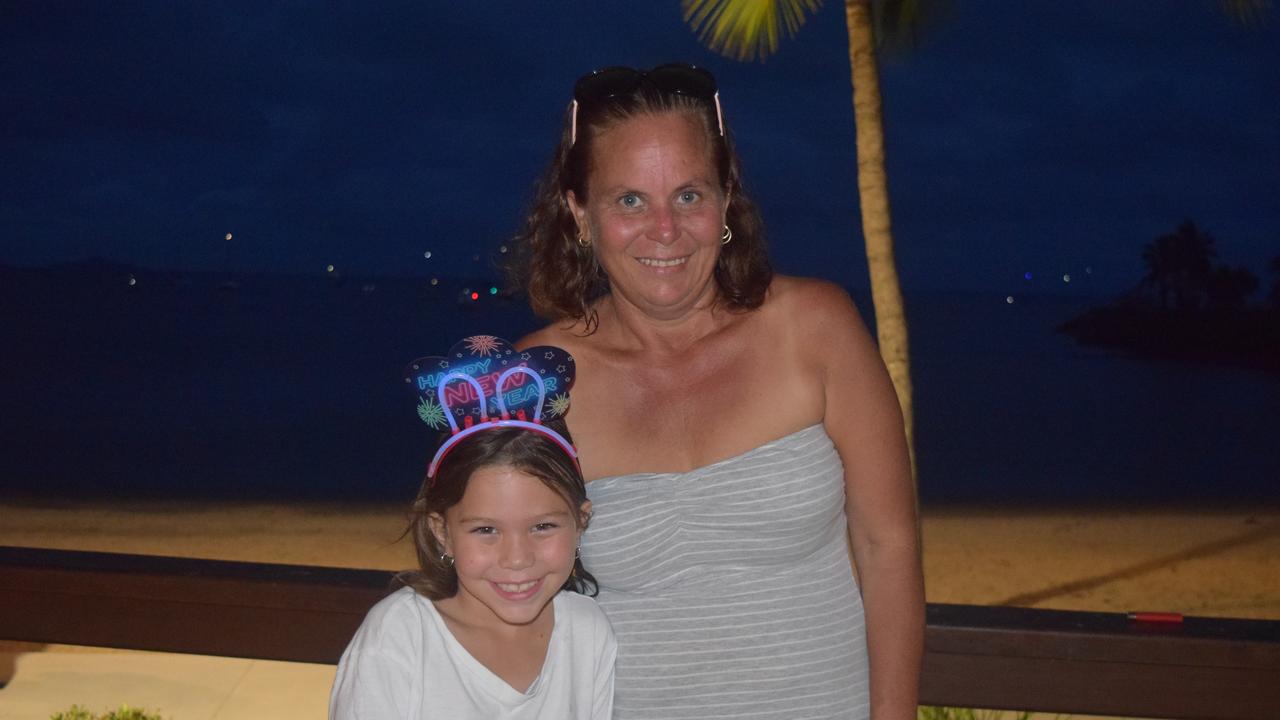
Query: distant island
x=1187, y=307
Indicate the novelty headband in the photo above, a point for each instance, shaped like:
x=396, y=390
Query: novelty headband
x=483, y=373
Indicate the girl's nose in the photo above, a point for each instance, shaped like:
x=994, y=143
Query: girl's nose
x=516, y=553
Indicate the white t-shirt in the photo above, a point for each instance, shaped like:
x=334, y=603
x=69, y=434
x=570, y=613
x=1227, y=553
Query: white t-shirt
x=405, y=663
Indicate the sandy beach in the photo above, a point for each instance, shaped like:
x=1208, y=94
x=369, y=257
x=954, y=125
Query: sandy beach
x=1215, y=563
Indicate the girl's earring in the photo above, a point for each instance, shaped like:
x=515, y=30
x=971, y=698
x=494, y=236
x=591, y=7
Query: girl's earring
x=447, y=559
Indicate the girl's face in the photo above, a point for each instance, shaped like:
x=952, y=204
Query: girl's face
x=655, y=212
x=513, y=540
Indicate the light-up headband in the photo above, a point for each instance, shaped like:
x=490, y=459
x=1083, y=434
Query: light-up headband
x=482, y=372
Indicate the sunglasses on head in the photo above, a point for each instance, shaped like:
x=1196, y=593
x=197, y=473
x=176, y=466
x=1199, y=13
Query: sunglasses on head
x=672, y=79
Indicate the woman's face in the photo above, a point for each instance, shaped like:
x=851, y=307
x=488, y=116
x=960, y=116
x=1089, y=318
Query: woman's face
x=655, y=213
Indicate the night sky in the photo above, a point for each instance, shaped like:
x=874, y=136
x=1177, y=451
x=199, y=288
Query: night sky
x=1055, y=138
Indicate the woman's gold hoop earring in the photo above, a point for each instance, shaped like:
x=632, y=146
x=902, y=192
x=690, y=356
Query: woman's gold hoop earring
x=727, y=236
x=582, y=240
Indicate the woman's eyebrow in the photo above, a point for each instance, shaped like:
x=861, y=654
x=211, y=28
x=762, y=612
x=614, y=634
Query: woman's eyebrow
x=620, y=189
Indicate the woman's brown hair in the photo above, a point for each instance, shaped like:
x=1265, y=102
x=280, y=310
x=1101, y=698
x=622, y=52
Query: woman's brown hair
x=563, y=279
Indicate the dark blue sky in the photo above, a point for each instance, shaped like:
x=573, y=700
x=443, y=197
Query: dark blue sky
x=1050, y=137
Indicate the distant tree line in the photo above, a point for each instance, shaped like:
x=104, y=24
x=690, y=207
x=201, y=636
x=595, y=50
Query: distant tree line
x=1189, y=306
x=1181, y=274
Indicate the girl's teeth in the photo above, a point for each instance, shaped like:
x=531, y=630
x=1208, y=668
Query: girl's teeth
x=521, y=587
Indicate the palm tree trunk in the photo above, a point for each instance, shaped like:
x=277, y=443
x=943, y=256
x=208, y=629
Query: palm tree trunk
x=873, y=192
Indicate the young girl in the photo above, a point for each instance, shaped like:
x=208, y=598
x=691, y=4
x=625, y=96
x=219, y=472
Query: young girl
x=482, y=629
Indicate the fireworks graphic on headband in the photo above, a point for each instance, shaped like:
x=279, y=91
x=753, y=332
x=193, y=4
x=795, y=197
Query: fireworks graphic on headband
x=558, y=405
x=431, y=413
x=482, y=345
x=538, y=378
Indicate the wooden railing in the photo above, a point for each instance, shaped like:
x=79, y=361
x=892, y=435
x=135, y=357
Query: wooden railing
x=985, y=657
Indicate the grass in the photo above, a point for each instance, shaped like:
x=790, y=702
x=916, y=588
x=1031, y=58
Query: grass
x=124, y=712
x=929, y=712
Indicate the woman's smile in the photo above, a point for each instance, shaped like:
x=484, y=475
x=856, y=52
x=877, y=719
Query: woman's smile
x=663, y=263
x=656, y=213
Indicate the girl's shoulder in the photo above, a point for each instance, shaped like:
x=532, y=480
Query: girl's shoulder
x=402, y=599
x=402, y=609
x=582, y=612
x=578, y=605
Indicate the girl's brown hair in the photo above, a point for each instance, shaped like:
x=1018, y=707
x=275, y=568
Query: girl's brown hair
x=525, y=450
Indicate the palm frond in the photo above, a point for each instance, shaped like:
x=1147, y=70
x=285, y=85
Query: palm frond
x=1248, y=13
x=746, y=29
x=894, y=22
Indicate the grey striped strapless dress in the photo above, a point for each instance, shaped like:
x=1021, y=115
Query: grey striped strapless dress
x=730, y=589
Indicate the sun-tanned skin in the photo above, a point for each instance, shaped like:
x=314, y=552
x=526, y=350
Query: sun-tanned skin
x=672, y=380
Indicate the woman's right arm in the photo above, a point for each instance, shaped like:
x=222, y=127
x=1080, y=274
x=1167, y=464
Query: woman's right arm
x=864, y=420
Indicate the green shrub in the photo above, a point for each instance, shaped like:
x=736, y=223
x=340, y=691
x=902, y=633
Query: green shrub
x=124, y=712
x=929, y=712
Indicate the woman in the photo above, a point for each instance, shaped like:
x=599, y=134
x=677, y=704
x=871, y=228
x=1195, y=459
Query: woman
x=728, y=422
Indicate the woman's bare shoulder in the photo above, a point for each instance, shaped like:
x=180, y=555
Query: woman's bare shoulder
x=562, y=334
x=812, y=305
x=541, y=336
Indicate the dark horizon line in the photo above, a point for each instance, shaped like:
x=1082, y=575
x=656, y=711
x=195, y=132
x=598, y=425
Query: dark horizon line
x=100, y=267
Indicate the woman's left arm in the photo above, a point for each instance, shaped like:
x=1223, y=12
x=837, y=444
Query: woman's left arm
x=863, y=418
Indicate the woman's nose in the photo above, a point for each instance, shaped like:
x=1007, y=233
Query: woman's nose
x=664, y=225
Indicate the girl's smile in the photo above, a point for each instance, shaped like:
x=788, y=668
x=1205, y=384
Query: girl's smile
x=518, y=591
x=514, y=541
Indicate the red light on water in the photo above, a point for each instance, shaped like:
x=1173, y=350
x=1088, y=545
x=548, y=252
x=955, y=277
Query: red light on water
x=475, y=296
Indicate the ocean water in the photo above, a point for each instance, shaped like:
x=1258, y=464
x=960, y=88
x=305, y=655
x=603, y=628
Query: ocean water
x=291, y=388
x=1011, y=411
